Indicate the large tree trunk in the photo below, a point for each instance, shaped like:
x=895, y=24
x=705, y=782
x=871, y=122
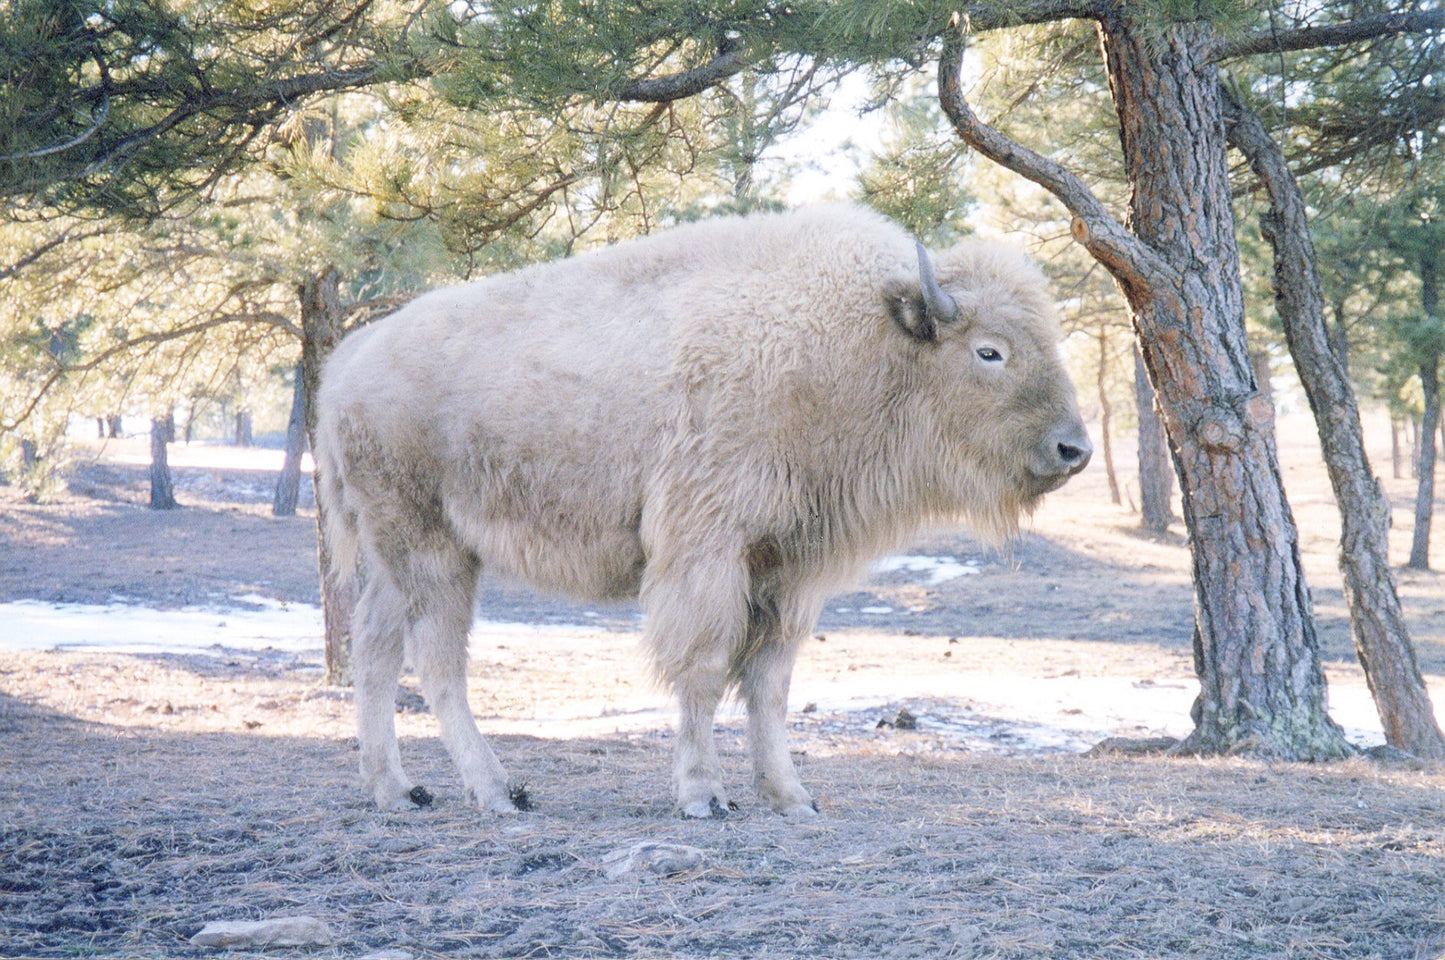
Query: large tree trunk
x=1156, y=468
x=1262, y=687
x=288, y=484
x=1382, y=641
x=321, y=330
x=163, y=492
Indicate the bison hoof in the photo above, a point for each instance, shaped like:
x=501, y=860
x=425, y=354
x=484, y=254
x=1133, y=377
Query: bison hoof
x=802, y=811
x=396, y=796
x=713, y=809
x=508, y=799
x=420, y=796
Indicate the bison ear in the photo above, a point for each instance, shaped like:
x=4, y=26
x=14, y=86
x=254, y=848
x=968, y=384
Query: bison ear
x=921, y=312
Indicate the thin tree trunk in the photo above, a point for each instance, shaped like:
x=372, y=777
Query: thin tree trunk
x=1425, y=488
x=1395, y=446
x=1430, y=420
x=1339, y=336
x=1106, y=415
x=1156, y=469
x=321, y=330
x=288, y=484
x=244, y=435
x=1382, y=641
x=1264, y=380
x=163, y=491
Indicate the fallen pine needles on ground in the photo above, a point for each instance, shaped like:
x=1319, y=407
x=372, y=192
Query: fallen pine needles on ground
x=124, y=828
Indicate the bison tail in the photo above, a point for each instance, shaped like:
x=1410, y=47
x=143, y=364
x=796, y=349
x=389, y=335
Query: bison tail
x=338, y=519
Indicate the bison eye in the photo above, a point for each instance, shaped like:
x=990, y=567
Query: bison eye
x=989, y=355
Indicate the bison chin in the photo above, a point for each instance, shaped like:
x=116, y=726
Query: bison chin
x=996, y=506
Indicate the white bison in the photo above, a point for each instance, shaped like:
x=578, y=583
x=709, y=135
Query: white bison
x=729, y=419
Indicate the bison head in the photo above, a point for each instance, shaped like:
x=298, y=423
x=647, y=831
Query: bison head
x=999, y=407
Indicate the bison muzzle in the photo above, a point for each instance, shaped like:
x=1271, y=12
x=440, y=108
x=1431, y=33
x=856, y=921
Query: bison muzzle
x=729, y=419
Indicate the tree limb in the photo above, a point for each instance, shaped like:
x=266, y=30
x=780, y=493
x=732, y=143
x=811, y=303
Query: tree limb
x=996, y=16
x=732, y=60
x=1331, y=35
x=263, y=100
x=687, y=83
x=31, y=256
x=1104, y=236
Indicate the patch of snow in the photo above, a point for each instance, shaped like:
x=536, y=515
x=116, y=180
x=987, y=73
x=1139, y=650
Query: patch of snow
x=213, y=457
x=875, y=610
x=126, y=628
x=938, y=569
x=998, y=710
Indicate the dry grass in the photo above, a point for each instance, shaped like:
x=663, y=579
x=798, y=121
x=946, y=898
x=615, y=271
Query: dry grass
x=225, y=790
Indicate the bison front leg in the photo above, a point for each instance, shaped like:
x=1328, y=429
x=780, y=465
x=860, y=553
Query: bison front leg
x=696, y=772
x=697, y=615
x=764, y=678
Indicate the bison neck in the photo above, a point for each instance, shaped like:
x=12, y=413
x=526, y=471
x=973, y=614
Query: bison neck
x=1256, y=651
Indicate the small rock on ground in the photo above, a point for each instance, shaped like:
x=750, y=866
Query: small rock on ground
x=651, y=857
x=276, y=932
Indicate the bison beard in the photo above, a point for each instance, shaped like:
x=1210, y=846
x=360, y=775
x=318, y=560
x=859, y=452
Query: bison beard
x=730, y=419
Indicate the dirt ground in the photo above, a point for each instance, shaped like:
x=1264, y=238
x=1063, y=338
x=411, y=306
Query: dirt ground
x=144, y=795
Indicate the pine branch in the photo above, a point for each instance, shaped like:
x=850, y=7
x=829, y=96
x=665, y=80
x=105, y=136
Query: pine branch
x=1332, y=35
x=1093, y=226
x=255, y=105
x=733, y=59
x=996, y=16
x=687, y=83
x=31, y=256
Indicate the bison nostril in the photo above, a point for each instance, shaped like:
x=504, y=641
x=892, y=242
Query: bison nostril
x=1071, y=454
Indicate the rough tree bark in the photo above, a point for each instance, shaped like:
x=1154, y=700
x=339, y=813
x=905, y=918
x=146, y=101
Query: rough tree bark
x=1156, y=468
x=322, y=321
x=1262, y=686
x=1382, y=640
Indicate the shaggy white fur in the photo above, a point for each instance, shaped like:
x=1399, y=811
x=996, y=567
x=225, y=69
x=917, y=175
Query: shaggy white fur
x=730, y=418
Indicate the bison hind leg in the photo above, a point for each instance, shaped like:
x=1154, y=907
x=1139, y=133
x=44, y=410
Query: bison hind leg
x=377, y=663
x=441, y=586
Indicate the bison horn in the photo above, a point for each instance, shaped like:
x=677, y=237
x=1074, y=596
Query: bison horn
x=940, y=307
